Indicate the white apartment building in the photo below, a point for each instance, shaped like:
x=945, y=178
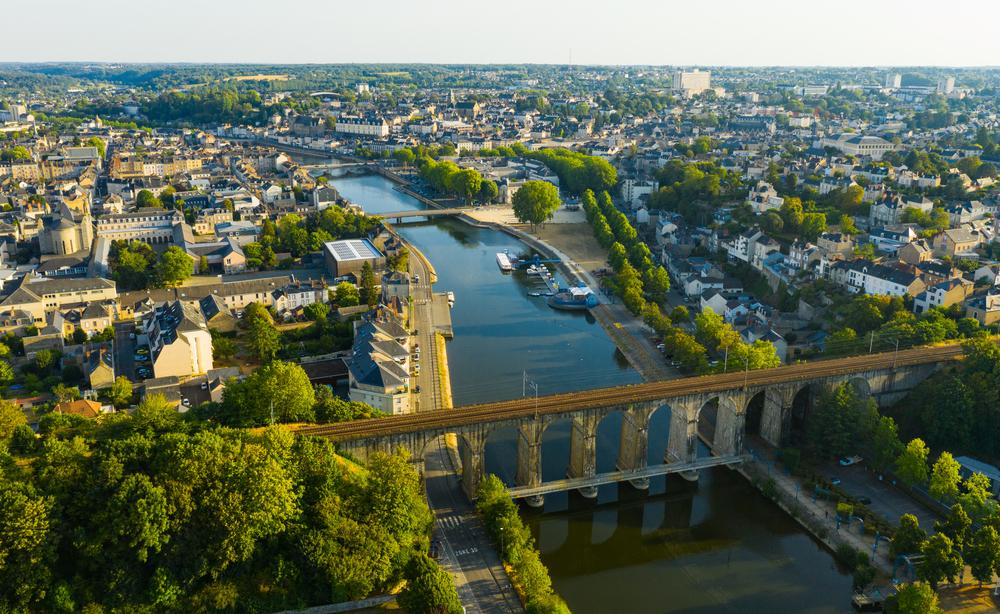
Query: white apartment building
x=692, y=83
x=361, y=126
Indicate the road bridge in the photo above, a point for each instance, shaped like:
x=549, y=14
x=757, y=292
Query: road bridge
x=401, y=215
x=712, y=407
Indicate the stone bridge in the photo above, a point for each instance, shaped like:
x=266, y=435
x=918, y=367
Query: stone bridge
x=713, y=408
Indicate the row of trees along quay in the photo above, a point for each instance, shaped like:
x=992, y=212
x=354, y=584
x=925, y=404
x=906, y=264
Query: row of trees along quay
x=517, y=549
x=957, y=409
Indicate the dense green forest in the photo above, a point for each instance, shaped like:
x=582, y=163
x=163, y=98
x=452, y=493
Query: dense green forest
x=155, y=513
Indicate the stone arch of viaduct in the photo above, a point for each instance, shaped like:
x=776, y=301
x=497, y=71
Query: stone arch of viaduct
x=886, y=385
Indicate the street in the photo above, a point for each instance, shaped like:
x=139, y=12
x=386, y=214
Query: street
x=429, y=398
x=124, y=349
x=467, y=553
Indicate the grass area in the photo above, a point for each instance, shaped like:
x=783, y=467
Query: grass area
x=576, y=241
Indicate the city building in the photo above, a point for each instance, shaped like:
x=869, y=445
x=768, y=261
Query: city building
x=179, y=342
x=348, y=257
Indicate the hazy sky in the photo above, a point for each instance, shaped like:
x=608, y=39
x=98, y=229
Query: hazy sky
x=690, y=32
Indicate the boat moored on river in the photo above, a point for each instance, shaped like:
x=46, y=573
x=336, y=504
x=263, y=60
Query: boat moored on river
x=577, y=298
x=503, y=261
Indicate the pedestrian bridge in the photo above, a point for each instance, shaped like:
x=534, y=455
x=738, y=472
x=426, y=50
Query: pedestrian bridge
x=713, y=408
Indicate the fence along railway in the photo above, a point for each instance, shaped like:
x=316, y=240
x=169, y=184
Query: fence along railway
x=712, y=407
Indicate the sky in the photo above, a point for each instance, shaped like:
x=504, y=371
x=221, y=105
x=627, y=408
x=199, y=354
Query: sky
x=658, y=32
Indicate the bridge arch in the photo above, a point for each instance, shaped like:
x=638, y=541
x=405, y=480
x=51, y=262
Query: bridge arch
x=500, y=448
x=658, y=428
x=555, y=447
x=708, y=420
x=861, y=386
x=754, y=412
x=608, y=441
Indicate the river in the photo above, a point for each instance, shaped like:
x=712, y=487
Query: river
x=714, y=546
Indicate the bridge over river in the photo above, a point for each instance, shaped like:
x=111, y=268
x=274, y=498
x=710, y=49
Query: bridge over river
x=711, y=407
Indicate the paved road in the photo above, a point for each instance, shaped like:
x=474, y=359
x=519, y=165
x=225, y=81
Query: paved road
x=468, y=553
x=429, y=398
x=124, y=350
x=887, y=501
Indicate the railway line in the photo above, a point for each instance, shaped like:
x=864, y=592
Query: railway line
x=652, y=391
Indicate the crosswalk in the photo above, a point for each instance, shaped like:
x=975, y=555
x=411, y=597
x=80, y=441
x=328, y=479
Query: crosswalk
x=451, y=521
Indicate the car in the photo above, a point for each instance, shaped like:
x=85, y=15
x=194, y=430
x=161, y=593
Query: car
x=417, y=389
x=835, y=481
x=847, y=461
x=661, y=346
x=416, y=279
x=186, y=402
x=131, y=335
x=864, y=501
x=435, y=550
x=204, y=385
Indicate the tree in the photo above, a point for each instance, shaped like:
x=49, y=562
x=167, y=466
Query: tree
x=64, y=393
x=262, y=336
x=911, y=466
x=222, y=347
x=945, y=478
x=956, y=525
x=535, y=202
x=657, y=283
x=680, y=314
x=368, y=291
x=25, y=546
x=908, y=537
x=847, y=225
x=978, y=497
x=941, y=560
x=813, y=225
x=346, y=294
x=6, y=373
x=145, y=198
x=280, y=385
x=174, y=267
x=983, y=554
x=202, y=265
x=488, y=191
x=915, y=598
x=121, y=391
x=11, y=417
x=429, y=589
x=317, y=312
x=466, y=183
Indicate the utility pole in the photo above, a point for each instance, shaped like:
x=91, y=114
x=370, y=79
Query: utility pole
x=725, y=363
x=871, y=344
x=895, y=354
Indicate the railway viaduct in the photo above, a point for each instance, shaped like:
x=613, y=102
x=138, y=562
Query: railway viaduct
x=713, y=408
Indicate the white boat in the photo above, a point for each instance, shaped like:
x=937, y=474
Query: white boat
x=451, y=299
x=503, y=261
x=534, y=294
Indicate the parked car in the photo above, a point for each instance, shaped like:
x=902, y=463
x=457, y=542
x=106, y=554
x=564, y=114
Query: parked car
x=850, y=460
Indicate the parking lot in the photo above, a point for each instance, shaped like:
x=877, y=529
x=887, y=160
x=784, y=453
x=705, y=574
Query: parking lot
x=886, y=500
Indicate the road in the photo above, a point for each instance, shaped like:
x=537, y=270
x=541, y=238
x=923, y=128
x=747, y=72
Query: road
x=467, y=553
x=124, y=350
x=429, y=398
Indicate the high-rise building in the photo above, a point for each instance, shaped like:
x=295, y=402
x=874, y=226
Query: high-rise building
x=893, y=81
x=946, y=85
x=692, y=83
